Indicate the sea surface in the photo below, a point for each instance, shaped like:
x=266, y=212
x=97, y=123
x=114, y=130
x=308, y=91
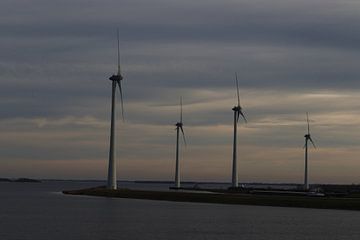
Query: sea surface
x=40, y=211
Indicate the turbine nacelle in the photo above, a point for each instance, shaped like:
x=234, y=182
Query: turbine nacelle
x=237, y=108
x=179, y=124
x=117, y=77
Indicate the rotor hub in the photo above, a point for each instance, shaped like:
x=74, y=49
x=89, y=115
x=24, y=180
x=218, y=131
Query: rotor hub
x=179, y=124
x=236, y=108
x=116, y=77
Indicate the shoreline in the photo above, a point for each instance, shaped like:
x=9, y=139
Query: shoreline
x=225, y=198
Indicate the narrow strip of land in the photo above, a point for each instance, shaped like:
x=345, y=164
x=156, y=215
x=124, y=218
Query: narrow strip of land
x=226, y=198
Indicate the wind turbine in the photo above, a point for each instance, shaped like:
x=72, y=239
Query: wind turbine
x=237, y=113
x=116, y=80
x=307, y=139
x=179, y=126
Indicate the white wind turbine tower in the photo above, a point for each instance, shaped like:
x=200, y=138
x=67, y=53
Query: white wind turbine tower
x=116, y=80
x=307, y=139
x=179, y=126
x=237, y=112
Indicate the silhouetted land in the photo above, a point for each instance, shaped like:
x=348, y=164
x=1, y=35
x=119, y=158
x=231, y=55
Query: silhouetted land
x=19, y=180
x=5, y=180
x=351, y=202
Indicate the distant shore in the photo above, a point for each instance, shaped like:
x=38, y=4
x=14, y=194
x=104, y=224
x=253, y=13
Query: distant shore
x=19, y=180
x=341, y=203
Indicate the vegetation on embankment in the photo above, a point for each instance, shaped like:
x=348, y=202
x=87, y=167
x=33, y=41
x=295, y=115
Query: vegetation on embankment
x=226, y=198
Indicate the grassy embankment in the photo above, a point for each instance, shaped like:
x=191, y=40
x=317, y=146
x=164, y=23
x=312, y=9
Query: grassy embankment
x=344, y=203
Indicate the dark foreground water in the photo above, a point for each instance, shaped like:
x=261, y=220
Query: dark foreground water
x=39, y=211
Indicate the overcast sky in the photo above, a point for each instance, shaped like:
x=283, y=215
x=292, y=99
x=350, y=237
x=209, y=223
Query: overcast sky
x=291, y=57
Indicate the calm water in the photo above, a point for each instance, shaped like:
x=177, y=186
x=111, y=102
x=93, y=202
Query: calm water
x=39, y=211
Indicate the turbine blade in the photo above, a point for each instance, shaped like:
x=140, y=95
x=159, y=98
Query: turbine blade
x=242, y=114
x=312, y=142
x=121, y=100
x=237, y=89
x=307, y=119
x=118, y=48
x=181, y=109
x=183, y=134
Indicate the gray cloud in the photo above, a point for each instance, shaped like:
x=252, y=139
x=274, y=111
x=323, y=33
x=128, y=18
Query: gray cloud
x=291, y=57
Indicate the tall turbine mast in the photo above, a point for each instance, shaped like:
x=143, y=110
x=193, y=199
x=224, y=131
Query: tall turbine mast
x=237, y=113
x=116, y=80
x=307, y=139
x=179, y=127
